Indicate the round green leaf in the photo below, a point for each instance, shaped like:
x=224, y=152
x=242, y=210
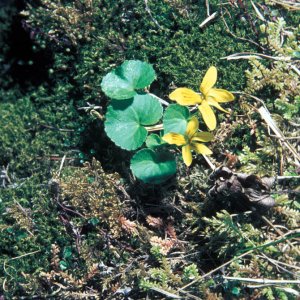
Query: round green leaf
x=116, y=87
x=176, y=119
x=125, y=120
x=153, y=166
x=140, y=74
x=122, y=82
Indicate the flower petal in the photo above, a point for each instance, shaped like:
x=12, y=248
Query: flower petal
x=174, y=138
x=221, y=95
x=208, y=115
x=214, y=103
x=201, y=149
x=202, y=137
x=184, y=96
x=192, y=127
x=209, y=80
x=187, y=155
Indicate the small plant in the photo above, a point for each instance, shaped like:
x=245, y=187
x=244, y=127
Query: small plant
x=133, y=113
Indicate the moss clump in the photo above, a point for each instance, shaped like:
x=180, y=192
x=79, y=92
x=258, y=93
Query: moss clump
x=34, y=139
x=179, y=49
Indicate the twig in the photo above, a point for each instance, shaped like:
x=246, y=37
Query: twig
x=207, y=7
x=264, y=281
x=162, y=101
x=154, y=127
x=70, y=210
x=26, y=254
x=211, y=165
x=61, y=165
x=288, y=4
x=279, y=264
x=295, y=69
x=96, y=114
x=55, y=128
x=249, y=55
x=258, y=13
x=215, y=270
x=235, y=36
x=266, y=116
x=151, y=16
x=279, y=233
x=208, y=19
x=168, y=294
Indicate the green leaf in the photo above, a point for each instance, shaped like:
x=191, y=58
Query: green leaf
x=153, y=166
x=63, y=265
x=122, y=82
x=125, y=120
x=235, y=291
x=94, y=221
x=140, y=74
x=154, y=140
x=176, y=119
x=116, y=87
x=67, y=253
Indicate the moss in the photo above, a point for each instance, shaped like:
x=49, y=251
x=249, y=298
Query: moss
x=26, y=250
x=34, y=138
x=73, y=44
x=180, y=51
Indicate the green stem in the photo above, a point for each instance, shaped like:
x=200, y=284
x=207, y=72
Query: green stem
x=154, y=127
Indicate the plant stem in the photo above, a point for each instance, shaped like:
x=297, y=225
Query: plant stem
x=154, y=127
x=162, y=101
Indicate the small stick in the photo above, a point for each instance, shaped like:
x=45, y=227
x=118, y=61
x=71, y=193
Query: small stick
x=61, y=165
x=215, y=270
x=264, y=281
x=154, y=127
x=235, y=36
x=249, y=55
x=279, y=232
x=259, y=15
x=151, y=16
x=208, y=19
x=266, y=116
x=211, y=165
x=207, y=7
x=162, y=101
x=168, y=294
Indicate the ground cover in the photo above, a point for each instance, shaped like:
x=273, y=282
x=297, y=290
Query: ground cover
x=74, y=226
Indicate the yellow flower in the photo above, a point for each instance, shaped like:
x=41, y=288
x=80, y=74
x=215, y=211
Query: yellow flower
x=190, y=140
x=209, y=97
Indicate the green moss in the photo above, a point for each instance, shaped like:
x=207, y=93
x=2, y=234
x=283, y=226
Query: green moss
x=32, y=136
x=83, y=40
x=25, y=250
x=180, y=51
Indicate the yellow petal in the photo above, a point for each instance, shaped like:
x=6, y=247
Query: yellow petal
x=192, y=127
x=214, y=103
x=201, y=149
x=187, y=155
x=209, y=80
x=220, y=95
x=208, y=115
x=184, y=96
x=202, y=137
x=174, y=138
